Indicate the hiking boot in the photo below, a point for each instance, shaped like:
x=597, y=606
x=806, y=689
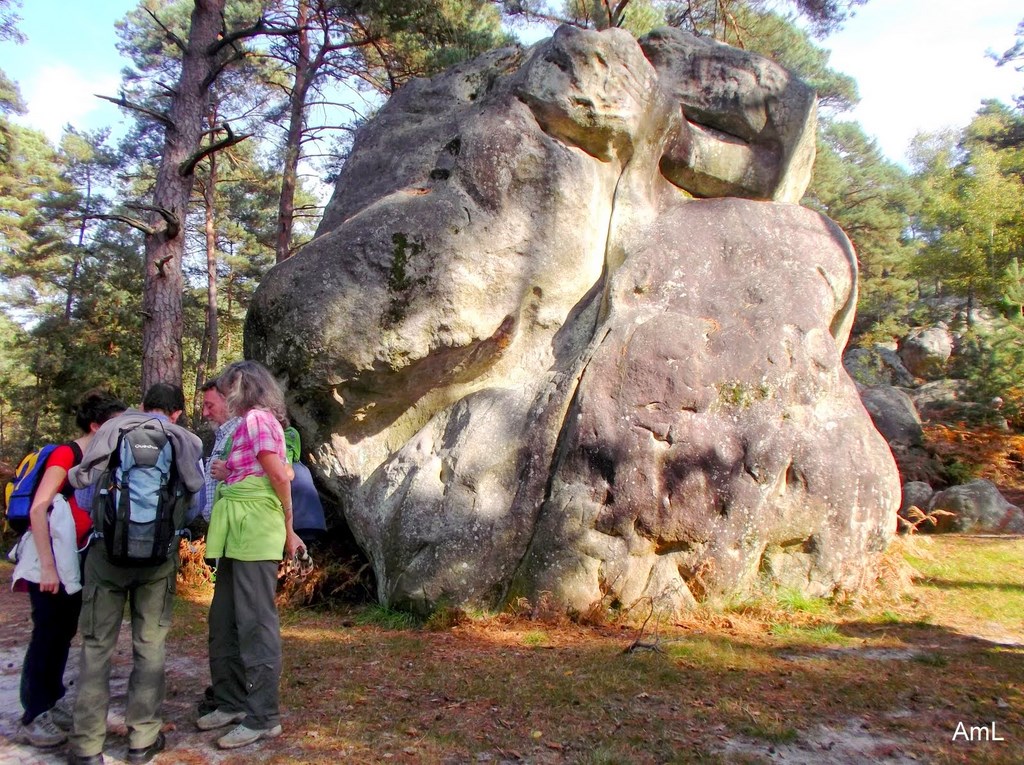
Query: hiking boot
x=218, y=718
x=242, y=736
x=85, y=759
x=41, y=732
x=143, y=754
x=62, y=713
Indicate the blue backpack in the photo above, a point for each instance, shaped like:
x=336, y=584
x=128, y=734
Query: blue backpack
x=22, y=488
x=140, y=502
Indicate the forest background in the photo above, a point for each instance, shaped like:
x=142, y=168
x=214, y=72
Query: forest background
x=98, y=234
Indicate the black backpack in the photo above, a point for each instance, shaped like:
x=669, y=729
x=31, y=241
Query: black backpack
x=140, y=502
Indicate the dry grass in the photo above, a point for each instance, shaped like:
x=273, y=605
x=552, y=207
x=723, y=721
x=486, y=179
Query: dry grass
x=984, y=452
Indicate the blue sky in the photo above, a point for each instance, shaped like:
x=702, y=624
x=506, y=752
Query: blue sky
x=920, y=64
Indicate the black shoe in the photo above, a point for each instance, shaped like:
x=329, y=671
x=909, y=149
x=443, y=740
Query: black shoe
x=147, y=753
x=85, y=759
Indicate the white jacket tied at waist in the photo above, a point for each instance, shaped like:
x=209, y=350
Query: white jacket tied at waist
x=64, y=540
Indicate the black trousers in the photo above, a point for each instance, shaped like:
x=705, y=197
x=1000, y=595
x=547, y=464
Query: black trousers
x=54, y=624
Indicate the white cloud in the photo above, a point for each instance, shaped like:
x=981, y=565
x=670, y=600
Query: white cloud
x=58, y=94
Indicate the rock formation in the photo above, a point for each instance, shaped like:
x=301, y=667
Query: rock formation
x=536, y=360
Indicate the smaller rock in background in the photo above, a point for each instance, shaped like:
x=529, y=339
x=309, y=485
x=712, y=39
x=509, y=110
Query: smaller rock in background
x=977, y=507
x=926, y=351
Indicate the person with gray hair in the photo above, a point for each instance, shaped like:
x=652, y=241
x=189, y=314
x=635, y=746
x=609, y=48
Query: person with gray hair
x=215, y=409
x=251, y=528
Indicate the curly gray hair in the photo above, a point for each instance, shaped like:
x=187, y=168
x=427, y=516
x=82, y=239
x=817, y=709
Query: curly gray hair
x=249, y=385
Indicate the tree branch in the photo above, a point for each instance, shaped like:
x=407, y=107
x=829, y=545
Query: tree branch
x=188, y=167
x=133, y=222
x=172, y=224
x=170, y=35
x=163, y=262
x=126, y=104
x=259, y=28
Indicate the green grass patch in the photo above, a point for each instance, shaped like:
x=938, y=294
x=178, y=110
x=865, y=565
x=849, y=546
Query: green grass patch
x=820, y=634
x=388, y=618
x=797, y=602
x=535, y=639
x=982, y=577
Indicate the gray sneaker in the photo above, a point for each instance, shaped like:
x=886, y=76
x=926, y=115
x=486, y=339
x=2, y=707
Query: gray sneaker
x=242, y=736
x=42, y=732
x=62, y=713
x=219, y=718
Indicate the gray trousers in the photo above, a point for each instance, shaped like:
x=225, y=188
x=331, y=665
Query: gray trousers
x=245, y=642
x=149, y=592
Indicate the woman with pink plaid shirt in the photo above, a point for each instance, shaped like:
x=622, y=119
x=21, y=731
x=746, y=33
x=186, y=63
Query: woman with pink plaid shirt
x=250, y=530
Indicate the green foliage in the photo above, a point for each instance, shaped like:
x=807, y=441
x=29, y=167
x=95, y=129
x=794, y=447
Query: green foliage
x=742, y=395
x=715, y=18
x=780, y=39
x=73, y=282
x=9, y=20
x=820, y=634
x=991, y=359
x=957, y=472
x=971, y=219
x=871, y=199
x=536, y=639
x=421, y=37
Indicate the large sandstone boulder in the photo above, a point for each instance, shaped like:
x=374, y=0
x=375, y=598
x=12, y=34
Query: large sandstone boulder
x=533, y=364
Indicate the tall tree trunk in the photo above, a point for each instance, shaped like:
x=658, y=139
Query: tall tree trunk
x=208, y=352
x=296, y=126
x=69, y=303
x=162, y=322
x=212, y=330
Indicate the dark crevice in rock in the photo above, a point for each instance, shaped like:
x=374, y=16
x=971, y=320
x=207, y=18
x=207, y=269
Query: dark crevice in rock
x=668, y=547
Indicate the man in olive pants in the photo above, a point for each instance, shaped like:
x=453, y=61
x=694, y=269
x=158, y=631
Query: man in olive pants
x=148, y=589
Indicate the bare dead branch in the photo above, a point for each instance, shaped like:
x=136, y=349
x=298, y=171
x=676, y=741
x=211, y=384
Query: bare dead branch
x=126, y=104
x=171, y=223
x=163, y=262
x=638, y=644
x=259, y=28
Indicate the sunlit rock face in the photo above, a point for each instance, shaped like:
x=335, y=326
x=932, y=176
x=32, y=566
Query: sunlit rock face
x=538, y=358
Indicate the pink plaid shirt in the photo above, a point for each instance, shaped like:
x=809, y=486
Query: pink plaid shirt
x=258, y=432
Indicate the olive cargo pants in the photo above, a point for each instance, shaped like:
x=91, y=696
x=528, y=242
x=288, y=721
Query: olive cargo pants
x=149, y=592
